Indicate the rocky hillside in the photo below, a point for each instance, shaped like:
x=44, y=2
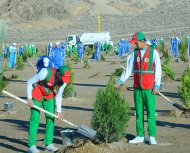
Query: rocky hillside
x=43, y=21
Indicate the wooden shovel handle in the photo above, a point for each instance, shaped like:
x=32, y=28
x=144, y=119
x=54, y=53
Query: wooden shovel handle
x=165, y=97
x=38, y=108
x=174, y=104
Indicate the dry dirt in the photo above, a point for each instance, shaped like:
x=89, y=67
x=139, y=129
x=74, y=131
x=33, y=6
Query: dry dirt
x=172, y=130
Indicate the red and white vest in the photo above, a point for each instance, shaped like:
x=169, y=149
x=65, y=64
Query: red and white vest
x=45, y=88
x=144, y=69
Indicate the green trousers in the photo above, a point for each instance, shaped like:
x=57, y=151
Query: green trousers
x=48, y=105
x=145, y=99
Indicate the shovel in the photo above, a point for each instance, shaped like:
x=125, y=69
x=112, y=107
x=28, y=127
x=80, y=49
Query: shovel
x=82, y=129
x=173, y=103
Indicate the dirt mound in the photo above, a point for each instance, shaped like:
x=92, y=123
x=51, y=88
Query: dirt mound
x=173, y=113
x=186, y=114
x=86, y=147
x=177, y=113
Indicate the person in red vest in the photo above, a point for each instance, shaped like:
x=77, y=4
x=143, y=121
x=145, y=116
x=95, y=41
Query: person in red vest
x=40, y=92
x=144, y=62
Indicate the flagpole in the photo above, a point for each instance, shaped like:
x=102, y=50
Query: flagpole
x=2, y=35
x=99, y=24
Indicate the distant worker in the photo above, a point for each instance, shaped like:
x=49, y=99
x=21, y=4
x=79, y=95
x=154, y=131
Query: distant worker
x=123, y=46
x=21, y=50
x=63, y=45
x=57, y=56
x=174, y=47
x=12, y=55
x=119, y=49
x=97, y=52
x=80, y=49
x=4, y=52
x=126, y=46
x=49, y=49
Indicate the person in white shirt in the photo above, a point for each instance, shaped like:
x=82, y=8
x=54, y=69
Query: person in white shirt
x=144, y=62
x=40, y=92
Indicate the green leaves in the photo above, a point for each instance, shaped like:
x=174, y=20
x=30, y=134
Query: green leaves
x=111, y=114
x=184, y=87
x=168, y=71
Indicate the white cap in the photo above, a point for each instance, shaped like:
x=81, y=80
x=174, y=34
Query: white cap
x=50, y=44
x=46, y=61
x=14, y=44
x=58, y=42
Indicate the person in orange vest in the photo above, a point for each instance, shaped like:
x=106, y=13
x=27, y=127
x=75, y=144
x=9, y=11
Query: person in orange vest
x=40, y=92
x=144, y=62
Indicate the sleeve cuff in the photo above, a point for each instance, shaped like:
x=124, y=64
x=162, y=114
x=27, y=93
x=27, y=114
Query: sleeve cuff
x=156, y=87
x=119, y=82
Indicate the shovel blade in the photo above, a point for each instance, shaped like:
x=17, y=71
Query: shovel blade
x=87, y=131
x=179, y=106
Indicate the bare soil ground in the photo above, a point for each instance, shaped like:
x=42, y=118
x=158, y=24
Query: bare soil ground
x=172, y=130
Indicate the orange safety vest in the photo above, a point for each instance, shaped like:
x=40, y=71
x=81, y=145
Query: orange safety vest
x=144, y=69
x=45, y=88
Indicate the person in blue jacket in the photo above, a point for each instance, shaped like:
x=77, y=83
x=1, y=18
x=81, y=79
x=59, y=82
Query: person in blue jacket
x=80, y=48
x=21, y=50
x=119, y=49
x=12, y=55
x=126, y=46
x=4, y=52
x=49, y=49
x=57, y=56
x=97, y=52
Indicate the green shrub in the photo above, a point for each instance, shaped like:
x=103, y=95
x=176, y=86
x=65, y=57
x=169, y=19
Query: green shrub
x=19, y=63
x=90, y=50
x=102, y=57
x=69, y=89
x=3, y=83
x=25, y=55
x=75, y=58
x=111, y=114
x=168, y=71
x=163, y=49
x=85, y=62
x=167, y=60
x=118, y=72
x=184, y=87
x=3, y=80
x=183, y=51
